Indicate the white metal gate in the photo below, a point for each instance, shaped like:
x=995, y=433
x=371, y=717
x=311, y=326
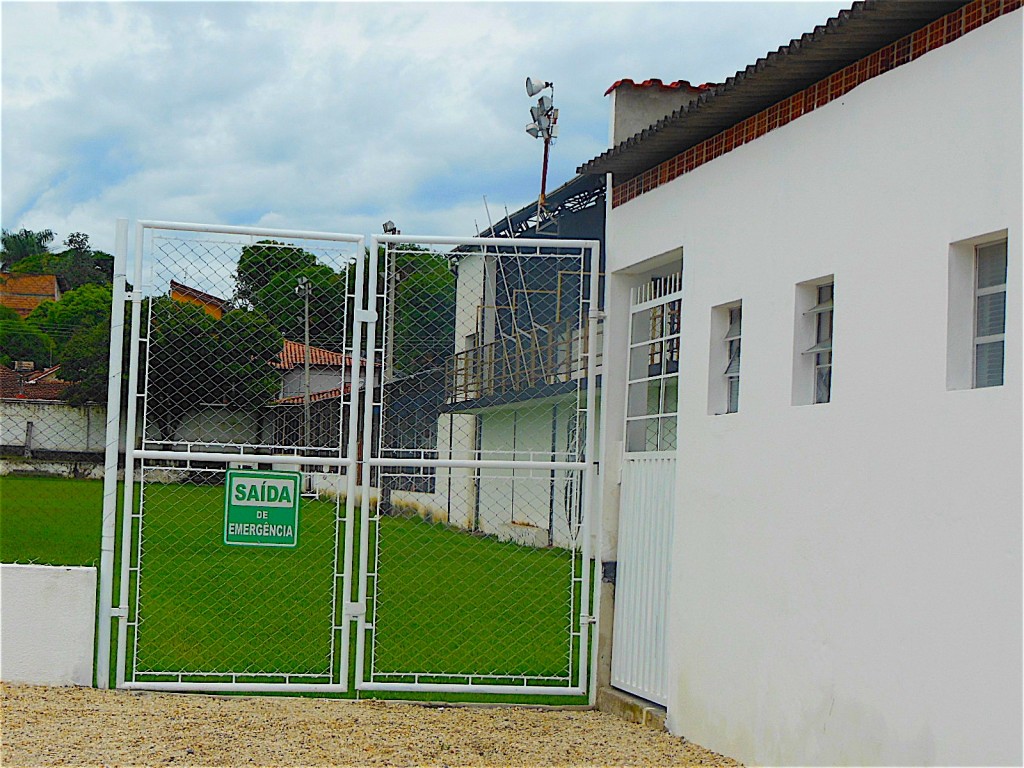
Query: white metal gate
x=483, y=461
x=385, y=382
x=647, y=498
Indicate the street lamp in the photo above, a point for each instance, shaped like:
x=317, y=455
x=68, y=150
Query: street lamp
x=544, y=126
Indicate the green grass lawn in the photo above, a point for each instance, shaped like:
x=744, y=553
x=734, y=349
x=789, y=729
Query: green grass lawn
x=442, y=601
x=448, y=601
x=50, y=520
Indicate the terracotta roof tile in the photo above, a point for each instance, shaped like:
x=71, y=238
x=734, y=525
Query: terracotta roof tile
x=50, y=374
x=654, y=82
x=314, y=397
x=294, y=354
x=35, y=387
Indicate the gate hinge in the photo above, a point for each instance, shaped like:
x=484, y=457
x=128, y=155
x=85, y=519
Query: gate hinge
x=118, y=613
x=585, y=619
x=597, y=314
x=366, y=316
x=354, y=610
x=133, y=296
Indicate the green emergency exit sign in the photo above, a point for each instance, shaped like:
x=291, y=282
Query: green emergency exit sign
x=261, y=509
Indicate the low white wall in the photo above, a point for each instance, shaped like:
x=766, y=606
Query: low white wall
x=55, y=426
x=47, y=620
x=88, y=470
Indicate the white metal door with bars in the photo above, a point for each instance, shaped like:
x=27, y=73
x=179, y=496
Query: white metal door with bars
x=459, y=555
x=647, y=496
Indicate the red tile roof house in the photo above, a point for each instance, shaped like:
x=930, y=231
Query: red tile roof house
x=23, y=293
x=35, y=385
x=282, y=422
x=328, y=371
x=330, y=379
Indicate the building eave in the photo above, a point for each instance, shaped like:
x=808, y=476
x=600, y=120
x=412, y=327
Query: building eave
x=853, y=34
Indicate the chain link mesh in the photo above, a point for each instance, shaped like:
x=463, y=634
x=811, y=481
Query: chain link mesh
x=469, y=389
x=484, y=354
x=245, y=348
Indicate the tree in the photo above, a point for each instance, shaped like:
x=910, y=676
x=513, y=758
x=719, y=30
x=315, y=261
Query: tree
x=85, y=361
x=247, y=347
x=424, y=309
x=77, y=310
x=22, y=244
x=21, y=341
x=259, y=263
x=195, y=360
x=78, y=241
x=73, y=268
x=285, y=309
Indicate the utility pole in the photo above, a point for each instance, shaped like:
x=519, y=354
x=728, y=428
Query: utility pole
x=544, y=126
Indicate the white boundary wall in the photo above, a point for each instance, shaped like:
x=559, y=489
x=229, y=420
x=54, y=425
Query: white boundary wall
x=847, y=577
x=47, y=624
x=55, y=426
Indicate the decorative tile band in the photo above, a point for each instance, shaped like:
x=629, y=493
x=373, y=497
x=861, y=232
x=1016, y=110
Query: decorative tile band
x=938, y=33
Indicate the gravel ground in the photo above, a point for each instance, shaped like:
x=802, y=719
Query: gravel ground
x=85, y=726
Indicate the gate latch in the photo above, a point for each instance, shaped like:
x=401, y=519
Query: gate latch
x=118, y=613
x=366, y=315
x=585, y=619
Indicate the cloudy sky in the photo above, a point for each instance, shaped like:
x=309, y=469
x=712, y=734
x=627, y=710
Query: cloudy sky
x=331, y=116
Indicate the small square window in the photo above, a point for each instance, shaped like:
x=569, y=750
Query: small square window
x=732, y=371
x=989, y=314
x=822, y=350
x=724, y=361
x=812, y=363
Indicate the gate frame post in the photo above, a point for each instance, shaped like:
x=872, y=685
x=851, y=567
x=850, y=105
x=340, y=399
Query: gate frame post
x=129, y=459
x=592, y=501
x=113, y=432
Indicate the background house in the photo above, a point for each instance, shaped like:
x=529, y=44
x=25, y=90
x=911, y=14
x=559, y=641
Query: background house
x=23, y=293
x=330, y=381
x=186, y=294
x=838, y=555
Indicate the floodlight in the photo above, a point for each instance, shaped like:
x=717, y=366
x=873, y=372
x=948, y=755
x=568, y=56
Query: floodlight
x=535, y=85
x=389, y=227
x=534, y=130
x=544, y=102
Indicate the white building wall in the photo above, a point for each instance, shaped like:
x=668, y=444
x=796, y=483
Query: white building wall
x=47, y=620
x=847, y=577
x=293, y=382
